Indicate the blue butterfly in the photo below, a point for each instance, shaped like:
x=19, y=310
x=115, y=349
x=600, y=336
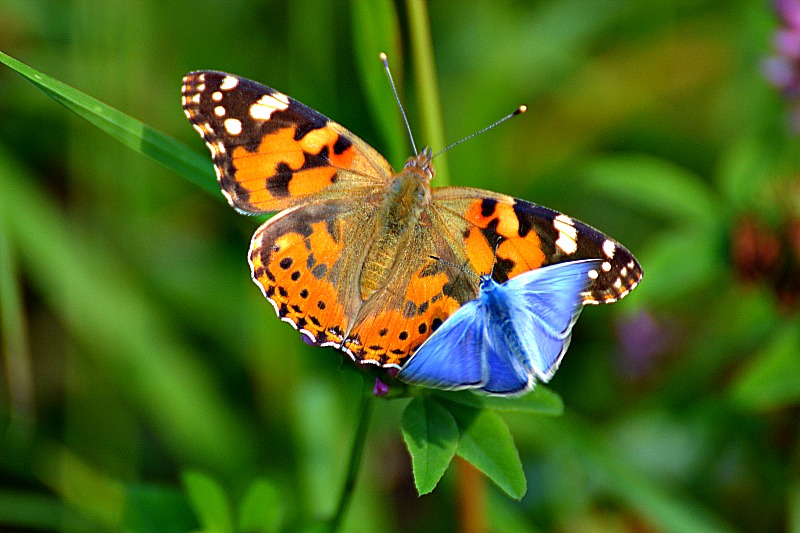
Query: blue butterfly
x=509, y=336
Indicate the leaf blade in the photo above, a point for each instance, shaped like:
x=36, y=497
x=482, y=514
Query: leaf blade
x=133, y=133
x=431, y=435
x=209, y=502
x=540, y=400
x=486, y=442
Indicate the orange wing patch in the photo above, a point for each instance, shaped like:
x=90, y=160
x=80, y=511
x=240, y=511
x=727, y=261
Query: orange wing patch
x=496, y=224
x=391, y=335
x=271, y=152
x=297, y=283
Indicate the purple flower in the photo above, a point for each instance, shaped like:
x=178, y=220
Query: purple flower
x=642, y=339
x=783, y=69
x=380, y=388
x=789, y=12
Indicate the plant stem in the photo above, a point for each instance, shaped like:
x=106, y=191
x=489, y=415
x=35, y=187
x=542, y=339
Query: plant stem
x=427, y=86
x=356, y=453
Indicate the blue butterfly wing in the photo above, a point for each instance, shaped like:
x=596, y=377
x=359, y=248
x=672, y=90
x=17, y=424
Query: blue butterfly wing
x=452, y=357
x=506, y=375
x=546, y=304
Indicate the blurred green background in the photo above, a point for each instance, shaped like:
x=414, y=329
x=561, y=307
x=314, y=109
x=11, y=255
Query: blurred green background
x=138, y=355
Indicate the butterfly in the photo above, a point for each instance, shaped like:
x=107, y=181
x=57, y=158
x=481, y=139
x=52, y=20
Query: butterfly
x=347, y=259
x=510, y=336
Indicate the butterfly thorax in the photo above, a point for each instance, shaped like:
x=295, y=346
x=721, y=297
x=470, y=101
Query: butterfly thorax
x=403, y=209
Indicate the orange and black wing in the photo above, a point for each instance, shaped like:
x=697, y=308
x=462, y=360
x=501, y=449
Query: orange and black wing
x=492, y=232
x=271, y=152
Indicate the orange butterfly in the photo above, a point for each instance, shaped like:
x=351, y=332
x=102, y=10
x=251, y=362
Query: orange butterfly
x=347, y=260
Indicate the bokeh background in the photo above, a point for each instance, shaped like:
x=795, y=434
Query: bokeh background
x=136, y=349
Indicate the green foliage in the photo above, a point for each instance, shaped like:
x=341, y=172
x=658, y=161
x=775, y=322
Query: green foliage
x=431, y=435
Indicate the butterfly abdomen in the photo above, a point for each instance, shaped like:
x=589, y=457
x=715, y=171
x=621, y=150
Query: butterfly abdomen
x=401, y=211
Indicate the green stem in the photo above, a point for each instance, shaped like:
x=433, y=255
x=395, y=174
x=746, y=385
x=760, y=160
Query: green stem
x=427, y=86
x=356, y=453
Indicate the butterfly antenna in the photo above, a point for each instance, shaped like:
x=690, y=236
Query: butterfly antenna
x=494, y=259
x=461, y=268
x=521, y=109
x=385, y=61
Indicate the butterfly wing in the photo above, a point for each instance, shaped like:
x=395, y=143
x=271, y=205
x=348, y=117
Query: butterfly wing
x=453, y=358
x=527, y=236
x=307, y=262
x=545, y=303
x=270, y=151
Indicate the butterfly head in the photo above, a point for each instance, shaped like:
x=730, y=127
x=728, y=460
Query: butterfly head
x=487, y=284
x=422, y=163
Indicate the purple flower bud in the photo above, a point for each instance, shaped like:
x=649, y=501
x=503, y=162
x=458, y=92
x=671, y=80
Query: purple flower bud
x=789, y=11
x=380, y=388
x=787, y=43
x=308, y=340
x=642, y=339
x=780, y=72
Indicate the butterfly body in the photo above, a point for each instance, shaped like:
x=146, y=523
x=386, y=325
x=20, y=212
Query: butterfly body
x=347, y=258
x=510, y=336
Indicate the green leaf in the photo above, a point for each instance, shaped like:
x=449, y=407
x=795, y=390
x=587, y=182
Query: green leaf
x=669, y=275
x=261, y=509
x=209, y=502
x=655, y=186
x=773, y=378
x=743, y=169
x=153, y=508
x=486, y=442
x=540, y=400
x=376, y=29
x=171, y=153
x=431, y=435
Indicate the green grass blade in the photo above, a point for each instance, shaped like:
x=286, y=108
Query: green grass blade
x=121, y=331
x=376, y=29
x=133, y=133
x=427, y=87
x=16, y=356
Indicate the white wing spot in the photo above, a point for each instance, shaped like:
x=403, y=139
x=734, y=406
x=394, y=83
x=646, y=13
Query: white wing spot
x=609, y=248
x=199, y=128
x=216, y=96
x=593, y=274
x=233, y=125
x=228, y=83
x=606, y=266
x=567, y=234
x=617, y=283
x=213, y=148
x=219, y=111
x=268, y=104
x=631, y=264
